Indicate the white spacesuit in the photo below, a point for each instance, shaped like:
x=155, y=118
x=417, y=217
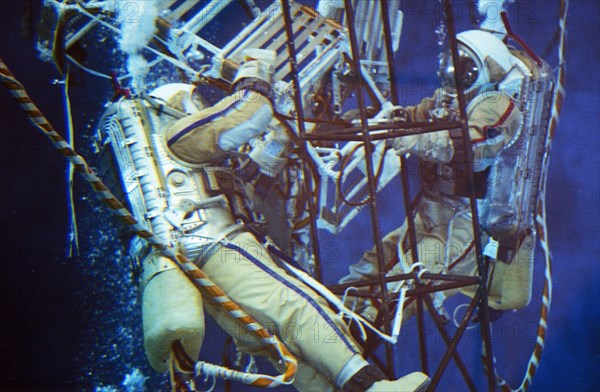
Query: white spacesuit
x=492, y=79
x=328, y=356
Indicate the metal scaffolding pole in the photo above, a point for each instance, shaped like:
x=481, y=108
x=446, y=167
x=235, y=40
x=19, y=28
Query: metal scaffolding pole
x=371, y=179
x=481, y=267
x=308, y=171
x=367, y=134
x=410, y=219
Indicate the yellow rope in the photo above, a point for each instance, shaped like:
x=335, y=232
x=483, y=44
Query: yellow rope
x=196, y=276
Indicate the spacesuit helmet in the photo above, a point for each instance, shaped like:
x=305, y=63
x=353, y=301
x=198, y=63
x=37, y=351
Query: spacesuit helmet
x=485, y=60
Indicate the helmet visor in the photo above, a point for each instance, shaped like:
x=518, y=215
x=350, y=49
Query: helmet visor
x=470, y=69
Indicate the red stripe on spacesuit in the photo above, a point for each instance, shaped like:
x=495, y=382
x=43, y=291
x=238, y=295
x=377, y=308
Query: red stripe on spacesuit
x=501, y=121
x=507, y=113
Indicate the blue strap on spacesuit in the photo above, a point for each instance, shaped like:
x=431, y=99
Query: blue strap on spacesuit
x=206, y=120
x=289, y=285
x=258, y=86
x=282, y=256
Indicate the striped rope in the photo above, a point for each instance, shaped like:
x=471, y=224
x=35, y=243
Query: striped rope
x=196, y=276
x=541, y=224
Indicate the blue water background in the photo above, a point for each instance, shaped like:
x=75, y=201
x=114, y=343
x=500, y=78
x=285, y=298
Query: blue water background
x=74, y=324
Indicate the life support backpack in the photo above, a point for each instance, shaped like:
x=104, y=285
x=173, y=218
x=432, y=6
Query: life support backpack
x=513, y=185
x=188, y=206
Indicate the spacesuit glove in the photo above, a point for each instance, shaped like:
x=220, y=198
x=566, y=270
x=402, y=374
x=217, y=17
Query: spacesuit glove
x=271, y=153
x=257, y=64
x=405, y=144
x=434, y=147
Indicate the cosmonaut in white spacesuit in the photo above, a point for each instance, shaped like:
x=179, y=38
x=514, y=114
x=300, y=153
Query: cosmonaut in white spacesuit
x=242, y=267
x=492, y=76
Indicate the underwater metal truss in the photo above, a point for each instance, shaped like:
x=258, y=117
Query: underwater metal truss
x=308, y=46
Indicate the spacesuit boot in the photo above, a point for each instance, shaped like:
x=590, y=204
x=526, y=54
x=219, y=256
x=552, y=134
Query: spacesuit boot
x=414, y=382
x=371, y=379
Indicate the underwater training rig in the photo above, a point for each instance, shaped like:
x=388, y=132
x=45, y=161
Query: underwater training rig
x=327, y=59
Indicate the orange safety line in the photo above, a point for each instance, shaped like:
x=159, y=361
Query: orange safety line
x=196, y=276
x=541, y=225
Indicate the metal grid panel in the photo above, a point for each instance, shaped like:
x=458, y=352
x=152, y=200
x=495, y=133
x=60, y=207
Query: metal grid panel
x=422, y=291
x=309, y=28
